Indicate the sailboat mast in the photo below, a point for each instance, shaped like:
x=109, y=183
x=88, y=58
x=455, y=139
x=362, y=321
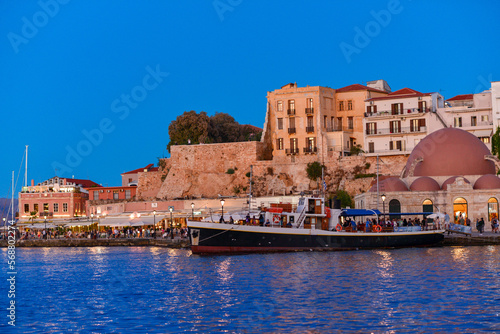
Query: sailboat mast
x=26, y=169
x=12, y=199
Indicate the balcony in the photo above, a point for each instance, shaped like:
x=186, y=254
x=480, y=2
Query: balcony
x=338, y=128
x=292, y=131
x=290, y=112
x=292, y=151
x=309, y=129
x=404, y=112
x=387, y=131
x=309, y=111
x=310, y=150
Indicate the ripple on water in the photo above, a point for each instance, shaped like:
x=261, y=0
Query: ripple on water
x=152, y=290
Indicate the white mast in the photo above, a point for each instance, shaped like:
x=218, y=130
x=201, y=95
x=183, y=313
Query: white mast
x=26, y=169
x=12, y=200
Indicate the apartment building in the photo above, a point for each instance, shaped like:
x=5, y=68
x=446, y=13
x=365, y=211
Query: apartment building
x=394, y=124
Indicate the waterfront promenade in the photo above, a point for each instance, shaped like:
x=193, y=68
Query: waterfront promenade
x=453, y=239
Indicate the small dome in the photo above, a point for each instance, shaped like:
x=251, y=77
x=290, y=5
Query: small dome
x=488, y=181
x=452, y=180
x=390, y=184
x=425, y=183
x=450, y=151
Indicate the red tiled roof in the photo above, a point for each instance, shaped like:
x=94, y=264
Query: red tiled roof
x=138, y=170
x=356, y=87
x=402, y=93
x=462, y=97
x=83, y=183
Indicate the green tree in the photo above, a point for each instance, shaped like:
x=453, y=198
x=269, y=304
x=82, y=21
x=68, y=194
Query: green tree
x=345, y=198
x=314, y=170
x=189, y=127
x=224, y=129
x=495, y=143
x=356, y=150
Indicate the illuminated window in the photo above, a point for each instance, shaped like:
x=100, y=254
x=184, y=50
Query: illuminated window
x=459, y=209
x=492, y=208
x=349, y=105
x=280, y=105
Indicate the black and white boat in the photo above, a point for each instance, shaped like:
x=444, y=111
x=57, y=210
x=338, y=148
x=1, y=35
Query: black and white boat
x=308, y=226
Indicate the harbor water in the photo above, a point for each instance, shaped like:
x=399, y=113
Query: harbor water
x=160, y=290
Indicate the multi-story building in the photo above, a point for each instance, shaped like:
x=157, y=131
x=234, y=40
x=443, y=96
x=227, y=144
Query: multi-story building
x=132, y=178
x=347, y=125
x=495, y=104
x=57, y=198
x=472, y=113
x=394, y=124
x=296, y=119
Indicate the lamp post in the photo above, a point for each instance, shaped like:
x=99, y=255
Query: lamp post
x=192, y=211
x=154, y=224
x=383, y=204
x=97, y=226
x=171, y=209
x=92, y=220
x=222, y=205
x=45, y=218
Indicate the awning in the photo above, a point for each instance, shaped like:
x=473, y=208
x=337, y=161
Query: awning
x=359, y=212
x=483, y=133
x=407, y=213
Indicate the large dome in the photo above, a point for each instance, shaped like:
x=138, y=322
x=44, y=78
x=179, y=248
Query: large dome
x=487, y=182
x=390, y=184
x=447, y=152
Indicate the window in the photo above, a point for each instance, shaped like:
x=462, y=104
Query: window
x=395, y=126
x=325, y=120
x=309, y=103
x=371, y=128
x=395, y=207
x=349, y=105
x=485, y=140
x=291, y=128
x=395, y=145
x=129, y=180
x=96, y=195
x=310, y=144
x=310, y=124
x=350, y=123
x=427, y=206
x=341, y=105
x=492, y=208
x=371, y=109
x=115, y=194
x=45, y=207
x=26, y=208
x=279, y=143
x=417, y=125
x=280, y=106
x=35, y=207
x=291, y=105
x=65, y=207
x=458, y=122
x=56, y=207
x=371, y=147
x=127, y=194
x=339, y=123
x=459, y=209
x=484, y=118
x=397, y=108
x=473, y=121
x=422, y=106
x=293, y=145
x=280, y=123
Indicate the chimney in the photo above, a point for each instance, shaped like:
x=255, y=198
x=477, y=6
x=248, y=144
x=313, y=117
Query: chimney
x=32, y=182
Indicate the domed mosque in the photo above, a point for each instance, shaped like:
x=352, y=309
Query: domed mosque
x=449, y=171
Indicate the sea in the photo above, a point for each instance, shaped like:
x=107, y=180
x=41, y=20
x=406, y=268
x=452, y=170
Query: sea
x=160, y=290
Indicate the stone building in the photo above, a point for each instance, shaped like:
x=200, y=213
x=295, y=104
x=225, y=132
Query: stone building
x=451, y=171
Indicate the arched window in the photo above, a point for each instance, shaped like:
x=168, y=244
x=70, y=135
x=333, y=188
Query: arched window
x=492, y=208
x=459, y=209
x=395, y=207
x=427, y=206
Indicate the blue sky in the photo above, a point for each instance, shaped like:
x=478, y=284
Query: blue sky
x=91, y=86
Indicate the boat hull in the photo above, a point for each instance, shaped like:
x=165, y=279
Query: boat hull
x=213, y=238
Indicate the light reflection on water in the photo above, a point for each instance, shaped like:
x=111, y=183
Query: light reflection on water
x=157, y=290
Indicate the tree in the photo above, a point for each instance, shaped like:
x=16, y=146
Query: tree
x=224, y=129
x=345, y=199
x=314, y=170
x=189, y=127
x=495, y=143
x=356, y=150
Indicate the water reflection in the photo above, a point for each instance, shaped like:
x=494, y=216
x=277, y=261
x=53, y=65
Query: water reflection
x=156, y=290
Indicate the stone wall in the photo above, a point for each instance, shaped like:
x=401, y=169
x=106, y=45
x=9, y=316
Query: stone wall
x=202, y=171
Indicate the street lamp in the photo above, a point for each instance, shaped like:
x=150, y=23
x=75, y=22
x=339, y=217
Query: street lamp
x=383, y=202
x=45, y=218
x=171, y=209
x=222, y=204
x=154, y=224
x=192, y=211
